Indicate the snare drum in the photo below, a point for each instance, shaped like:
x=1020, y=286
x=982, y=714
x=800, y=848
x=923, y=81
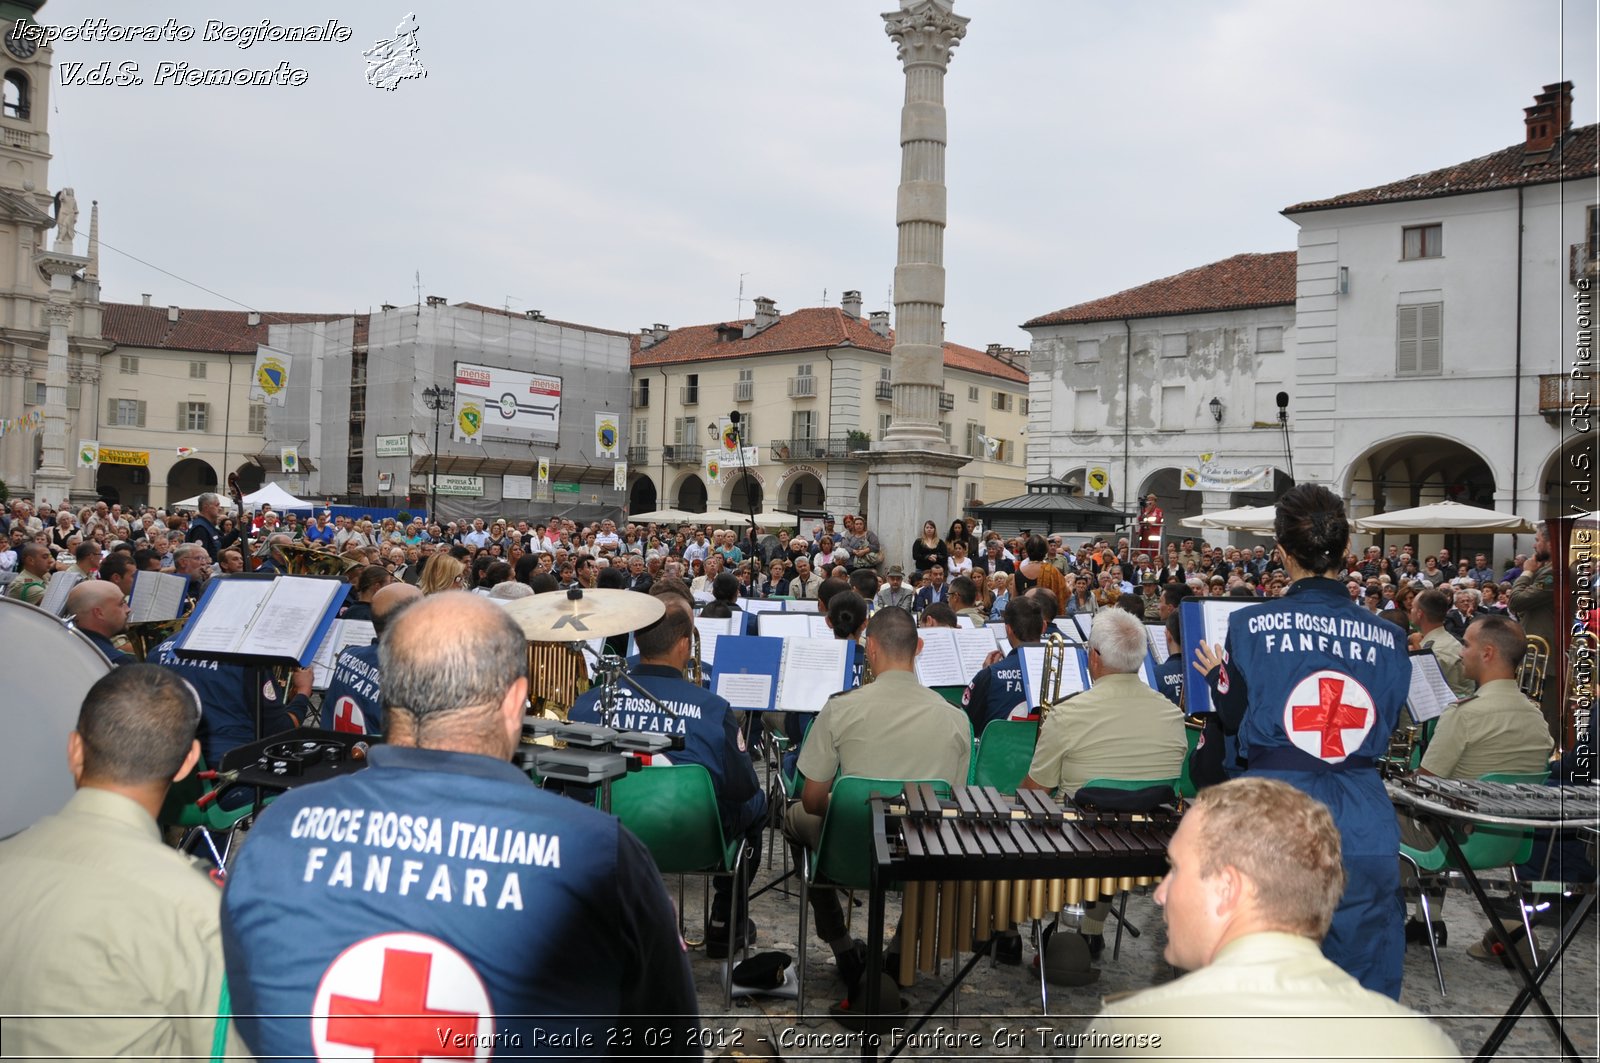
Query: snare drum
x=47, y=669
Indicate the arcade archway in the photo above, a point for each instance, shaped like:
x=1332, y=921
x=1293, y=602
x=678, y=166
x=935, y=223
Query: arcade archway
x=692, y=494
x=190, y=477
x=641, y=494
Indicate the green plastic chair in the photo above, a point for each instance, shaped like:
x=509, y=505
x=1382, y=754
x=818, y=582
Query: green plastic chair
x=1485, y=848
x=951, y=694
x=672, y=809
x=1186, y=786
x=182, y=809
x=1004, y=753
x=843, y=857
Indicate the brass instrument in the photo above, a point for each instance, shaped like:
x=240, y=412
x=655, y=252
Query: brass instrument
x=302, y=560
x=146, y=635
x=696, y=672
x=1055, y=655
x=1535, y=663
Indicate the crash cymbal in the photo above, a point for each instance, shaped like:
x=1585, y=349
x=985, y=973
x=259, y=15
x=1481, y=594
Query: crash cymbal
x=556, y=616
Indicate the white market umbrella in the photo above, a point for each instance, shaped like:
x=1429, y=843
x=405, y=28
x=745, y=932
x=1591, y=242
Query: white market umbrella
x=731, y=518
x=1445, y=517
x=667, y=516
x=1257, y=519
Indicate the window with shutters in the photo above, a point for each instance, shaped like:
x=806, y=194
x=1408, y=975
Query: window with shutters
x=125, y=413
x=128, y=364
x=884, y=421
x=258, y=419
x=1419, y=340
x=1024, y=407
x=1422, y=241
x=683, y=431
x=974, y=444
x=37, y=393
x=194, y=416
x=641, y=432
x=972, y=394
x=803, y=425
x=944, y=426
x=197, y=370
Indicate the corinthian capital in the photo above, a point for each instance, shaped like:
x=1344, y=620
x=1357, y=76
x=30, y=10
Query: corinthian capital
x=925, y=31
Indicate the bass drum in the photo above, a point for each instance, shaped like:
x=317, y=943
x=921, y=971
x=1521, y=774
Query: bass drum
x=47, y=669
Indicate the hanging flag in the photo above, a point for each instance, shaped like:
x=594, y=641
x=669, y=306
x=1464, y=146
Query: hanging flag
x=544, y=470
x=468, y=426
x=605, y=435
x=88, y=454
x=186, y=452
x=728, y=432
x=289, y=457
x=714, y=466
x=991, y=446
x=270, y=381
x=619, y=476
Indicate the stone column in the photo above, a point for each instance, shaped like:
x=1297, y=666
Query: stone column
x=86, y=374
x=52, y=483
x=913, y=470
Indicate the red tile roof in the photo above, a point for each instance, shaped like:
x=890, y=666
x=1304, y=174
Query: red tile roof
x=519, y=315
x=815, y=328
x=1576, y=156
x=1236, y=283
x=214, y=331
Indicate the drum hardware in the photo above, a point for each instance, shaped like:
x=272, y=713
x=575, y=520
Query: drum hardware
x=583, y=614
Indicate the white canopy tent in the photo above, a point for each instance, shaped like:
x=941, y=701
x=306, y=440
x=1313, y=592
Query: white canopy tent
x=670, y=516
x=1445, y=517
x=1256, y=519
x=271, y=494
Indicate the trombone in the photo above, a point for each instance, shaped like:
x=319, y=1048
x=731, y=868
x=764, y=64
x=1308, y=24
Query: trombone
x=1055, y=656
x=1535, y=663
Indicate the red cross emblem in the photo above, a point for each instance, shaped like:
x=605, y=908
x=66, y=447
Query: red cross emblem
x=402, y=997
x=348, y=717
x=1328, y=714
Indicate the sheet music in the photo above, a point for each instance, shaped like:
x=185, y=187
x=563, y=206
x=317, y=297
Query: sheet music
x=1429, y=693
x=973, y=647
x=1158, y=642
x=709, y=630
x=1083, y=622
x=937, y=665
x=811, y=673
x=760, y=606
x=1032, y=673
x=965, y=622
x=1068, y=629
x=803, y=605
x=342, y=634
x=56, y=591
x=786, y=625
x=156, y=596
x=745, y=690
x=219, y=627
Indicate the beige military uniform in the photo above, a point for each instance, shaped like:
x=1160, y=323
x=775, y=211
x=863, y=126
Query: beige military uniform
x=111, y=930
x=1266, y=996
x=1447, y=650
x=1532, y=601
x=892, y=728
x=1496, y=730
x=978, y=616
x=27, y=588
x=1117, y=729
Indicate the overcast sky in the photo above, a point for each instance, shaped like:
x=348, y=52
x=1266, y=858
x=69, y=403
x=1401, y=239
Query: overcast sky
x=623, y=163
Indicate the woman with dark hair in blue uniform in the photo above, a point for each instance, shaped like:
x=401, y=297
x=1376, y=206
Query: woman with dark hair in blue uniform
x=1313, y=684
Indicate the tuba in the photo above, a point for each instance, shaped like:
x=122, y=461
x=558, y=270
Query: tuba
x=146, y=635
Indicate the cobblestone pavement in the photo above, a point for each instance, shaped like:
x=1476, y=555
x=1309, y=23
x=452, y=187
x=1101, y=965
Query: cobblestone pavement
x=1001, y=1016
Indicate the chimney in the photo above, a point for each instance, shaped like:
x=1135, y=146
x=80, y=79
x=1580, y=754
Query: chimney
x=437, y=300
x=172, y=313
x=647, y=338
x=659, y=331
x=146, y=296
x=252, y=318
x=534, y=315
x=880, y=323
x=386, y=306
x=993, y=350
x=1549, y=118
x=851, y=304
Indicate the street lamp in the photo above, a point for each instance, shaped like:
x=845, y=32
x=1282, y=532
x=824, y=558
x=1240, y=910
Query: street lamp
x=437, y=399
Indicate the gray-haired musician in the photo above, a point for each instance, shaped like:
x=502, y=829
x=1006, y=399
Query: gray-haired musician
x=1118, y=729
x=1255, y=877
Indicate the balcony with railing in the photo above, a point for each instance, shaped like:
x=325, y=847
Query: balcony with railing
x=1556, y=395
x=638, y=455
x=689, y=396
x=641, y=398
x=885, y=391
x=947, y=400
x=820, y=448
x=744, y=391
x=683, y=454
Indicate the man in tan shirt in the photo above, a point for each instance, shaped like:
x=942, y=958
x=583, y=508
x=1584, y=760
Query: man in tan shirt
x=1428, y=611
x=110, y=937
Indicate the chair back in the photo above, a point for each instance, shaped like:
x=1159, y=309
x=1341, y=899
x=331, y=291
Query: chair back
x=1491, y=846
x=844, y=852
x=951, y=694
x=1126, y=795
x=1004, y=753
x=1186, y=787
x=673, y=810
x=181, y=808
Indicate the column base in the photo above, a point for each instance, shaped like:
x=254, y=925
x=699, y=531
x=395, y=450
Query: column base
x=906, y=487
x=53, y=486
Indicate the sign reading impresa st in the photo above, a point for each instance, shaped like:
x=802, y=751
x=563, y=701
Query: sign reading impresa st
x=512, y=405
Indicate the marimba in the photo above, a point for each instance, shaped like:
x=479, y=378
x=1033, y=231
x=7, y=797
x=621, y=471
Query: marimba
x=1444, y=802
x=979, y=862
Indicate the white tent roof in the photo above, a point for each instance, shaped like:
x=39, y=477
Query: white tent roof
x=1257, y=519
x=271, y=494
x=1445, y=517
x=668, y=516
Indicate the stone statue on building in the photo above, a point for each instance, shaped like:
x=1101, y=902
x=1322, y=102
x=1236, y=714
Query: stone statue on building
x=66, y=216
